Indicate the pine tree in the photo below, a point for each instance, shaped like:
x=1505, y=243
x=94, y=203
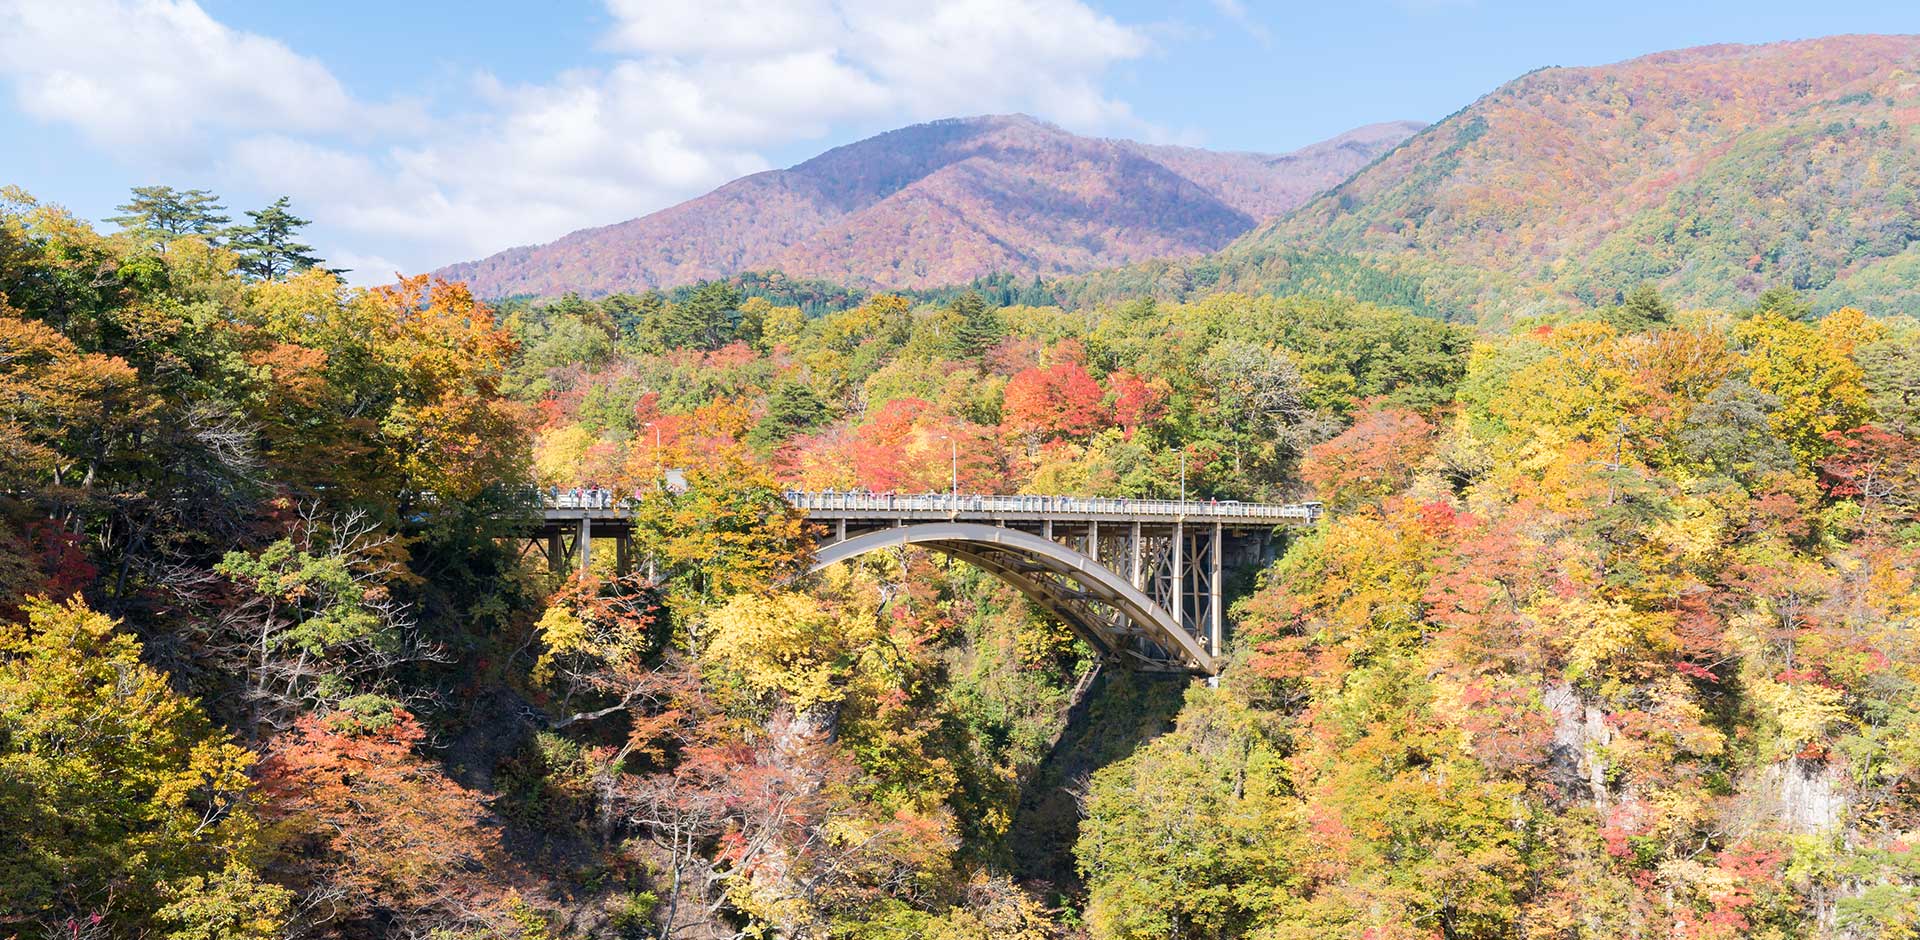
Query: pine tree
x=1646, y=303
x=980, y=327
x=160, y=214
x=267, y=248
x=1782, y=300
x=1642, y=309
x=706, y=318
x=792, y=407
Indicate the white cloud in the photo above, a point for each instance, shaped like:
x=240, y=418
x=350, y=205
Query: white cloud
x=157, y=73
x=1237, y=13
x=720, y=27
x=699, y=92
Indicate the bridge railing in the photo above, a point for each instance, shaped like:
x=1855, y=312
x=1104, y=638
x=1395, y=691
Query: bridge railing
x=964, y=504
x=982, y=504
x=590, y=498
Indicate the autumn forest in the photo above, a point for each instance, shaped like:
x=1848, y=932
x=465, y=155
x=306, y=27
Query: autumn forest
x=1610, y=627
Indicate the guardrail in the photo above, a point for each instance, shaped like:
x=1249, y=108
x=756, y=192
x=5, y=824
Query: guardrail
x=981, y=504
x=964, y=504
x=594, y=498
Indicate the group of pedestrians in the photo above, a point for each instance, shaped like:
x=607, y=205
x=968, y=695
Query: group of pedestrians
x=591, y=496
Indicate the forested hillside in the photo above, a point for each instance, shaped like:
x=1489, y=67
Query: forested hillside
x=1608, y=632
x=1715, y=173
x=942, y=203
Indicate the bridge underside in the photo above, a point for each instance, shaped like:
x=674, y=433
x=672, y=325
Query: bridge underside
x=1149, y=596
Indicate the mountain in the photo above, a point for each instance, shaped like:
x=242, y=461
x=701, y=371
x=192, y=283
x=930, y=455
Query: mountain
x=943, y=203
x=1715, y=172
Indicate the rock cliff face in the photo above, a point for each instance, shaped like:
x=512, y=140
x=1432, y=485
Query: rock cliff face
x=944, y=203
x=1804, y=796
x=1580, y=733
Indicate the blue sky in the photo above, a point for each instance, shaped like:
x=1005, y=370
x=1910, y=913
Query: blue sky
x=422, y=133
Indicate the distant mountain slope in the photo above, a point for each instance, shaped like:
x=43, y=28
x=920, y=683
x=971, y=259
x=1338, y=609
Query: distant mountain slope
x=943, y=203
x=1716, y=171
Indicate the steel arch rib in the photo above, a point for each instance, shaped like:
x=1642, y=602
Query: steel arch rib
x=1035, y=590
x=1108, y=584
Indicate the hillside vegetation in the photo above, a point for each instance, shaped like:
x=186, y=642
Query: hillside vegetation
x=1609, y=631
x=1714, y=173
x=939, y=204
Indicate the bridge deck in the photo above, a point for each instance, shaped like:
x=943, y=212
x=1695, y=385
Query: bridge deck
x=854, y=506
x=602, y=509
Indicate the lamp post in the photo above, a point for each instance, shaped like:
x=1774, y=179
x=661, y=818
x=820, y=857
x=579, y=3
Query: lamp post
x=954, y=445
x=1183, y=475
x=655, y=427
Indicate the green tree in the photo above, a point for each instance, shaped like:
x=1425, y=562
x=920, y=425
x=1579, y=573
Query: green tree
x=1892, y=368
x=267, y=248
x=792, y=408
x=1194, y=835
x=706, y=319
x=1643, y=308
x=979, y=328
x=1782, y=300
x=636, y=317
x=231, y=904
x=159, y=214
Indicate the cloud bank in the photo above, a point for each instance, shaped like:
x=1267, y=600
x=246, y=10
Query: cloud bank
x=690, y=94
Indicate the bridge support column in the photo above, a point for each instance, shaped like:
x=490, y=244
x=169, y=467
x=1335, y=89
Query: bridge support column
x=1216, y=628
x=840, y=529
x=1093, y=539
x=556, y=553
x=585, y=545
x=1134, y=550
x=1179, y=553
x=623, y=555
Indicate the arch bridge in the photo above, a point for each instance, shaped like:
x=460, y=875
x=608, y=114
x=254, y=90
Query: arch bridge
x=1143, y=581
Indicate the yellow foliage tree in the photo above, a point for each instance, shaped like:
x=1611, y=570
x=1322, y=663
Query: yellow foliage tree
x=788, y=645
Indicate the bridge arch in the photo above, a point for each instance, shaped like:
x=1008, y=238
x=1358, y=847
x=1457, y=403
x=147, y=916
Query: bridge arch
x=1100, y=604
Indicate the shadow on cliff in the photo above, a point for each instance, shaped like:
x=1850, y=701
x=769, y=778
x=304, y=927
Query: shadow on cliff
x=1120, y=712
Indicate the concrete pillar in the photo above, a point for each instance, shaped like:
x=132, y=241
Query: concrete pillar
x=840, y=529
x=1046, y=528
x=1133, y=551
x=584, y=544
x=1093, y=539
x=556, y=556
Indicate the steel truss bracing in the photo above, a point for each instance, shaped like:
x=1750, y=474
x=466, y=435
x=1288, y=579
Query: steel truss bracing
x=568, y=543
x=1152, y=596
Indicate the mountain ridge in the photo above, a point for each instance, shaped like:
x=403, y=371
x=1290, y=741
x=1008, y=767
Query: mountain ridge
x=1715, y=172
x=943, y=202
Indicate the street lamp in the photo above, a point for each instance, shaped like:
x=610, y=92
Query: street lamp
x=1183, y=475
x=655, y=426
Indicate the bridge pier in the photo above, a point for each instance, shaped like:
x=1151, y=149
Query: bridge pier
x=1216, y=599
x=1179, y=551
x=567, y=533
x=1134, y=551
